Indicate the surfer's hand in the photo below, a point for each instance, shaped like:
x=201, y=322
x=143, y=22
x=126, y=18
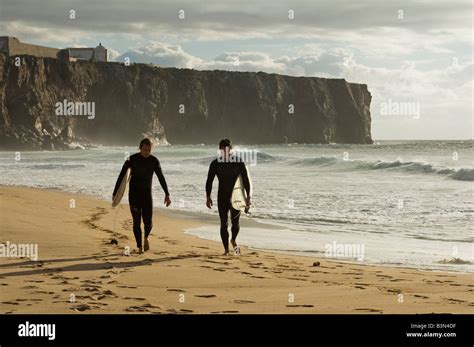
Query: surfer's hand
x=209, y=202
x=167, y=201
x=247, y=201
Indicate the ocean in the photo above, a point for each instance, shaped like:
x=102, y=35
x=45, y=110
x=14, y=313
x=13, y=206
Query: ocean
x=397, y=203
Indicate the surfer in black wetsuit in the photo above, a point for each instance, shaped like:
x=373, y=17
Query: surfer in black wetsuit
x=227, y=173
x=142, y=165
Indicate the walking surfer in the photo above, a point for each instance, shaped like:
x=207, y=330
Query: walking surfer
x=227, y=172
x=142, y=165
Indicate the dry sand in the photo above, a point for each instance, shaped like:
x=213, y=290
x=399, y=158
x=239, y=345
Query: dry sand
x=185, y=274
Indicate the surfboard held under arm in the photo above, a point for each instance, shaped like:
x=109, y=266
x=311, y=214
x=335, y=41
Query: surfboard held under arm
x=122, y=188
x=239, y=194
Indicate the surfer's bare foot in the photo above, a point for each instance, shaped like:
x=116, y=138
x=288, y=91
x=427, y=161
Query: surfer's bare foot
x=139, y=250
x=226, y=252
x=236, y=247
x=146, y=245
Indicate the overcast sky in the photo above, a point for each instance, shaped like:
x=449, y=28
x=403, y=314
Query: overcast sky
x=413, y=54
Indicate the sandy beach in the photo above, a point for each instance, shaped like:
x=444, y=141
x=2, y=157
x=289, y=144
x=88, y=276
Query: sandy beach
x=82, y=267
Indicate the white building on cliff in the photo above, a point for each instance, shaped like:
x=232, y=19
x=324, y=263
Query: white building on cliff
x=11, y=46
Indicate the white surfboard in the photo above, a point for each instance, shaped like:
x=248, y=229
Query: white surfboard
x=121, y=191
x=239, y=195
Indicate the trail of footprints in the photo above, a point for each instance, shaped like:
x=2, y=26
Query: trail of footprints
x=92, y=295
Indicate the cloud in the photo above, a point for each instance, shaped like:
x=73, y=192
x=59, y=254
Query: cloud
x=161, y=54
x=216, y=20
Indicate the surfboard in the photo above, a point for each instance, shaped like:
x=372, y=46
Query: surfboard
x=239, y=195
x=121, y=191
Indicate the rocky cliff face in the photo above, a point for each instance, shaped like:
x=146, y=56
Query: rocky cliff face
x=179, y=106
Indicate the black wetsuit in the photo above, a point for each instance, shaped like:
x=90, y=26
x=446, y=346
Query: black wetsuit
x=139, y=193
x=227, y=174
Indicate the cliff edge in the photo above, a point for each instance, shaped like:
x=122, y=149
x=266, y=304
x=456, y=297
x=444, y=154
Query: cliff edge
x=179, y=106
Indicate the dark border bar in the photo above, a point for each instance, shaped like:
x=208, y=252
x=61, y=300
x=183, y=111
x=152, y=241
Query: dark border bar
x=260, y=329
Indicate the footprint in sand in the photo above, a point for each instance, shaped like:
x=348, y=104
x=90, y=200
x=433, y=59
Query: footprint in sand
x=92, y=281
x=109, y=292
x=99, y=297
x=71, y=289
x=368, y=310
x=176, y=290
x=361, y=285
x=56, y=277
x=397, y=291
x=455, y=301
x=299, y=305
x=10, y=303
x=183, y=310
x=244, y=302
x=41, y=292
x=207, y=296
x=83, y=297
x=99, y=303
x=129, y=287
x=384, y=276
x=142, y=308
x=81, y=308
x=421, y=296
x=91, y=289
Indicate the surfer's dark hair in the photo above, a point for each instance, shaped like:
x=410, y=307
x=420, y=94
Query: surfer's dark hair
x=145, y=141
x=225, y=143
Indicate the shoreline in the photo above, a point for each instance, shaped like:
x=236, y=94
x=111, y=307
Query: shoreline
x=213, y=221
x=76, y=258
